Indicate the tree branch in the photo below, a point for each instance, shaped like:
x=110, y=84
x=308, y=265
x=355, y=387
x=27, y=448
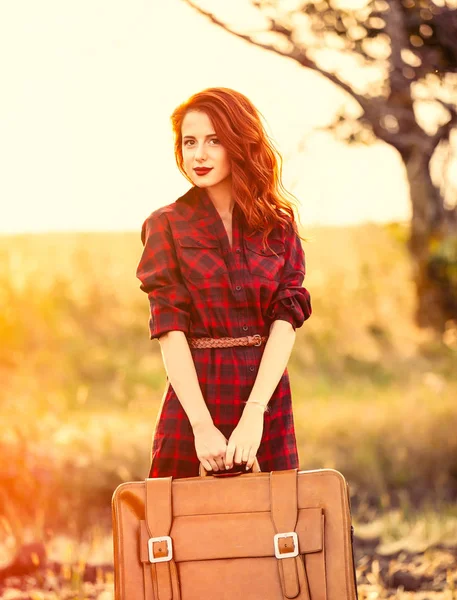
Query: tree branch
x=395, y=29
x=445, y=129
x=369, y=105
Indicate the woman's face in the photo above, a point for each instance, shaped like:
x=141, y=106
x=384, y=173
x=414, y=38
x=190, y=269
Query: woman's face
x=201, y=148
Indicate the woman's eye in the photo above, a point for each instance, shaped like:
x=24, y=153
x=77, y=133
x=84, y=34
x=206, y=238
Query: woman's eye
x=187, y=142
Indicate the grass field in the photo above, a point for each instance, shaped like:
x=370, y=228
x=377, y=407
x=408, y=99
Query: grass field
x=81, y=383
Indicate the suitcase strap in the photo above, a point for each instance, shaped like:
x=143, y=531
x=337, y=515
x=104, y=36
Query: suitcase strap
x=284, y=514
x=161, y=578
x=160, y=573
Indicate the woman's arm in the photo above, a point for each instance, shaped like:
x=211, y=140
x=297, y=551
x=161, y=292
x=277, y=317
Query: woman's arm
x=246, y=437
x=274, y=361
x=170, y=303
x=210, y=443
x=180, y=368
x=289, y=308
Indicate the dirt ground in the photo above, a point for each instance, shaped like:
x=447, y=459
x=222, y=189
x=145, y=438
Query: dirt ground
x=431, y=575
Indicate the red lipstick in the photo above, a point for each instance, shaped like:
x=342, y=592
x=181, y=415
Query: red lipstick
x=202, y=170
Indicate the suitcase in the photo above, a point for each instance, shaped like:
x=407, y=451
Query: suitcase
x=257, y=536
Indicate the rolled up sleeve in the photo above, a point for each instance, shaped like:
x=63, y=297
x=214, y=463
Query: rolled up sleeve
x=291, y=301
x=160, y=276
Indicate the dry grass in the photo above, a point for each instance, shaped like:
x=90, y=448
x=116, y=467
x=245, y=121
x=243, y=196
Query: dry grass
x=81, y=382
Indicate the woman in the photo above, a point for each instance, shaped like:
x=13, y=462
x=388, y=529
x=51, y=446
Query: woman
x=223, y=268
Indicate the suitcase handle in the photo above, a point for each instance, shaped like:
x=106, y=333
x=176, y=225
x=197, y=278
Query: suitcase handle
x=233, y=472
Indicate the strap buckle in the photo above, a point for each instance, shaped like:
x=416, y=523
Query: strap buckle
x=161, y=558
x=258, y=337
x=293, y=552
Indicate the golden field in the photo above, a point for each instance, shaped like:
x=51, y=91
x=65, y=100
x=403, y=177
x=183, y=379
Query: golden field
x=81, y=383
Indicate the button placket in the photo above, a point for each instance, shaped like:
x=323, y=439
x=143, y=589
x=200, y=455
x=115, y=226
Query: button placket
x=237, y=239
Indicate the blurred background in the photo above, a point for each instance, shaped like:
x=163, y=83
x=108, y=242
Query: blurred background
x=360, y=97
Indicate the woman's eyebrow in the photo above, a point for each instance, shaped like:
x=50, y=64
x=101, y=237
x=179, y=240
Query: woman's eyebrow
x=191, y=136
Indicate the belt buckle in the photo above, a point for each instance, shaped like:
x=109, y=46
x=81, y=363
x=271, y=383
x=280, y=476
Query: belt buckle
x=169, y=555
x=293, y=552
x=258, y=337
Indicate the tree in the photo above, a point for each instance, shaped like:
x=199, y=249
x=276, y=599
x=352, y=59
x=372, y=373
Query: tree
x=412, y=45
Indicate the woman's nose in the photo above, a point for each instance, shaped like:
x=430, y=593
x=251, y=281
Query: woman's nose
x=200, y=152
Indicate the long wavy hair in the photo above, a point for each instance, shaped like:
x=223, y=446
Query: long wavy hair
x=256, y=164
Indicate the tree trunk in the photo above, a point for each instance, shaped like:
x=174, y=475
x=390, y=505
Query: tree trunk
x=433, y=246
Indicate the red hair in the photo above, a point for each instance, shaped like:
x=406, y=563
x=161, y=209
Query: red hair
x=256, y=164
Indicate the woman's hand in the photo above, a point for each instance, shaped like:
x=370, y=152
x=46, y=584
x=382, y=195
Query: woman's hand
x=246, y=437
x=210, y=445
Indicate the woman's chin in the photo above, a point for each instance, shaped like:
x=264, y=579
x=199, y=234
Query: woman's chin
x=203, y=184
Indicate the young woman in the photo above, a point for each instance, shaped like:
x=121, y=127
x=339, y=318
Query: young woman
x=223, y=268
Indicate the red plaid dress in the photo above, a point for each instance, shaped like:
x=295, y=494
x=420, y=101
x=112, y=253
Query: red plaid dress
x=198, y=284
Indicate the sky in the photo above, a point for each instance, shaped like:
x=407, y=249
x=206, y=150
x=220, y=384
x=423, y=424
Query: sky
x=88, y=88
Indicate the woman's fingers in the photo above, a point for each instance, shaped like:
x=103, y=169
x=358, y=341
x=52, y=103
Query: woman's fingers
x=245, y=455
x=209, y=463
x=251, y=459
x=214, y=465
x=205, y=464
x=229, y=454
x=238, y=455
x=220, y=462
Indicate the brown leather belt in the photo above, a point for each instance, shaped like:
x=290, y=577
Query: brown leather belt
x=227, y=342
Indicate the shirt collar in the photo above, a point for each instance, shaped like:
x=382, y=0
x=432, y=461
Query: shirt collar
x=203, y=207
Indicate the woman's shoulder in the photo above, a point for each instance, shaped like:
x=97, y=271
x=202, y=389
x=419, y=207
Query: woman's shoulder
x=283, y=230
x=178, y=210
x=166, y=219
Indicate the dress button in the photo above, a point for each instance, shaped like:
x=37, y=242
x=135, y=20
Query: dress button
x=238, y=288
x=238, y=250
x=245, y=327
x=252, y=368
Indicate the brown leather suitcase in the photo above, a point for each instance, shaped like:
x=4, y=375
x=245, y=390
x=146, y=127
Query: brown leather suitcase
x=258, y=536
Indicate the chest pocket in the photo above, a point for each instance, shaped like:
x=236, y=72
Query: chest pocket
x=201, y=259
x=266, y=263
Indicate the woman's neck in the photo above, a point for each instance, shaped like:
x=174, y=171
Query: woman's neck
x=221, y=197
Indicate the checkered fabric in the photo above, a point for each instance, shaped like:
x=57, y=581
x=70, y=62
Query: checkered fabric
x=198, y=284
